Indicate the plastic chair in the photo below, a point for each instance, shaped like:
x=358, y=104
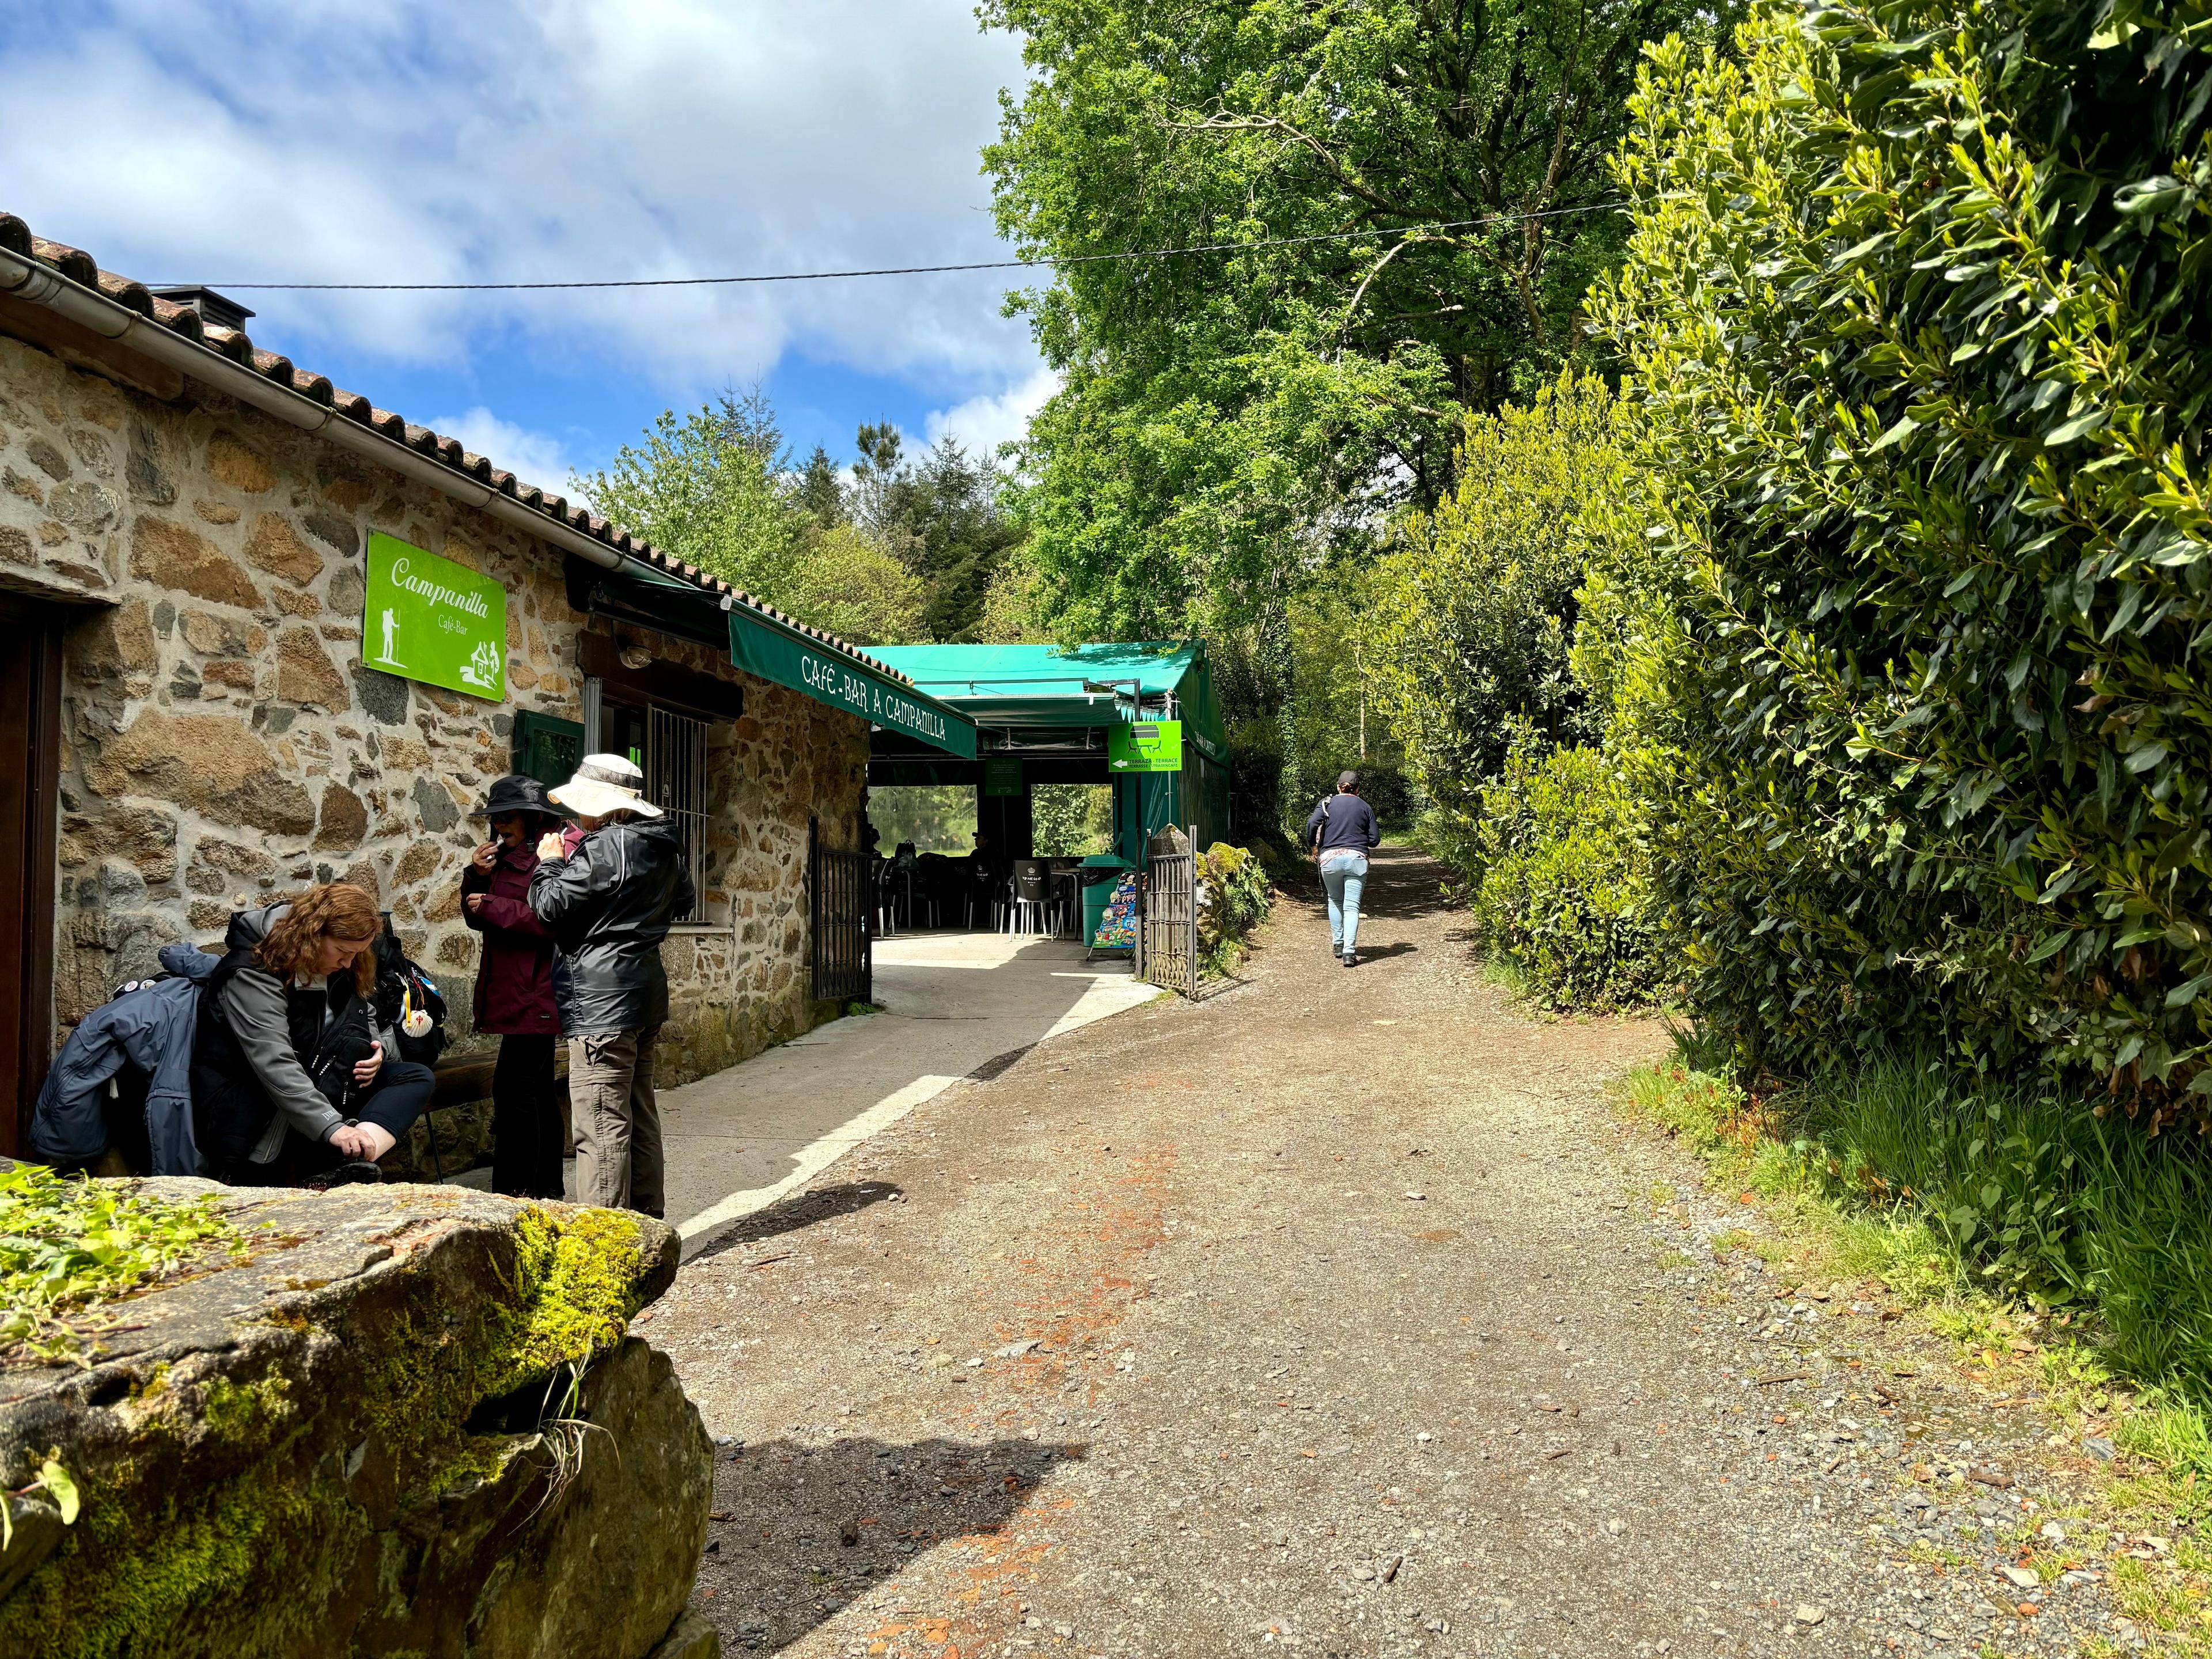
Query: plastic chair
x=886, y=911
x=1032, y=908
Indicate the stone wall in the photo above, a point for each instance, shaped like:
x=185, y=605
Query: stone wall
x=224, y=744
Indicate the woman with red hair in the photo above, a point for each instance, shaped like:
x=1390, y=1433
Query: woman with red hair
x=290, y=1081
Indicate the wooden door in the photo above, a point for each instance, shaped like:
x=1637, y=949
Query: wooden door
x=30, y=743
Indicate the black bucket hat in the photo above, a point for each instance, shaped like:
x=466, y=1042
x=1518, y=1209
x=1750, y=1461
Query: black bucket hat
x=517, y=792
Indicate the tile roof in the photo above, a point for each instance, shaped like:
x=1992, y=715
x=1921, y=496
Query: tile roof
x=81, y=267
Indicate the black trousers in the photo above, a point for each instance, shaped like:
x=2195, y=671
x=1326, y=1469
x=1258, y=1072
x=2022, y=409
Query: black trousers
x=525, y=1120
x=401, y=1090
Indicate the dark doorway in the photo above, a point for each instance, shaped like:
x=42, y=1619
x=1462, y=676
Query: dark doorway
x=30, y=747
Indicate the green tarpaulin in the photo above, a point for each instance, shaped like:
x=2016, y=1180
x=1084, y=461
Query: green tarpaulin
x=1039, y=686
x=1022, y=695
x=759, y=647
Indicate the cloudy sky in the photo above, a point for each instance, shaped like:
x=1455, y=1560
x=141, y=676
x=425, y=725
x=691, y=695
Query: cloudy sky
x=227, y=141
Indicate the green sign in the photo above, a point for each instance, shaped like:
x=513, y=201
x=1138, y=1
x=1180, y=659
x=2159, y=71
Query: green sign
x=1145, y=746
x=429, y=619
x=760, y=647
x=1002, y=776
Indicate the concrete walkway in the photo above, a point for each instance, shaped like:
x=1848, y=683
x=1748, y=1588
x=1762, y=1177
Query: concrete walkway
x=953, y=1004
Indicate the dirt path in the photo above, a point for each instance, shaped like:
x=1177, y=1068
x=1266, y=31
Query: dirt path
x=1340, y=1312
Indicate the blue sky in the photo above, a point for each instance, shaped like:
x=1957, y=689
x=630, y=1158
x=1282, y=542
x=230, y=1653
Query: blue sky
x=233, y=141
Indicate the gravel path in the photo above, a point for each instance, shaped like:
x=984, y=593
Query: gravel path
x=1340, y=1312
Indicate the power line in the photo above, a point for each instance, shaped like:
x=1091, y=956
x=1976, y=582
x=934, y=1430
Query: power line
x=899, y=270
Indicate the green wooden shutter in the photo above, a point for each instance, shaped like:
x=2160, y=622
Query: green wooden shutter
x=547, y=747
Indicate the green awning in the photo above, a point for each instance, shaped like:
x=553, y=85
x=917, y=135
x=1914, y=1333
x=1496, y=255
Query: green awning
x=1035, y=687
x=760, y=647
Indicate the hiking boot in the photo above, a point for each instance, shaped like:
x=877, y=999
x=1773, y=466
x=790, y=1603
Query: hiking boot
x=352, y=1173
x=1351, y=958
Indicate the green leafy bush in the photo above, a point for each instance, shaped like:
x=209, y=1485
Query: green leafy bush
x=1917, y=309
x=1236, y=899
x=1473, y=618
x=1559, y=889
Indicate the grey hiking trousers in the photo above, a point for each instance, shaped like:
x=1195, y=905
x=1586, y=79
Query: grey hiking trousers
x=618, y=1120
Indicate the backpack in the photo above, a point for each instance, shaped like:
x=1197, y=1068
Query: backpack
x=122, y=1082
x=405, y=996
x=1320, y=806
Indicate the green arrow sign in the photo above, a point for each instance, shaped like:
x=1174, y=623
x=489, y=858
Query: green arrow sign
x=429, y=619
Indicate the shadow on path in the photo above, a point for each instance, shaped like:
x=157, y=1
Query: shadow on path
x=799, y=1531
x=1378, y=952
x=802, y=1209
x=1402, y=886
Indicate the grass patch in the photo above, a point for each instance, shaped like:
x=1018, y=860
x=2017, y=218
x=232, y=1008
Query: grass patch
x=2047, y=1244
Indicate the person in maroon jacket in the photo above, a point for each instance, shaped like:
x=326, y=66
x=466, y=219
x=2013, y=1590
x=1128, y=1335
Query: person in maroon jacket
x=515, y=989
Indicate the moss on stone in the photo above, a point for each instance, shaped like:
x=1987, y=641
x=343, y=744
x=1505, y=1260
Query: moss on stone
x=245, y=1413
x=250, y=1563
x=189, y=1561
x=576, y=1285
x=482, y=1457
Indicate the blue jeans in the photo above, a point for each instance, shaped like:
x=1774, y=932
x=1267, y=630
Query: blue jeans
x=1344, y=878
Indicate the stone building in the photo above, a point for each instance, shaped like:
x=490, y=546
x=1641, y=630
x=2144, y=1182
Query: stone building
x=188, y=721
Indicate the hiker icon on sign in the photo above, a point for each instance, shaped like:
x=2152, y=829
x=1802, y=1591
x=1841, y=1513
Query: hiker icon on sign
x=391, y=624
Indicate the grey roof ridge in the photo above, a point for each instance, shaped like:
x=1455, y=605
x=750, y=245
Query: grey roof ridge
x=449, y=463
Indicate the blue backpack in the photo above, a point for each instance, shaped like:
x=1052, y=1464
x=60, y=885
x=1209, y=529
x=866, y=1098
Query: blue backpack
x=124, y=1079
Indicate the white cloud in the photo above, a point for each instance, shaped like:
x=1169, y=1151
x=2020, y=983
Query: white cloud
x=984, y=423
x=535, y=458
x=418, y=140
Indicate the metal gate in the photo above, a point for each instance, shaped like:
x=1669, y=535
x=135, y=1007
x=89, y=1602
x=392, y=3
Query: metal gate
x=1167, y=936
x=837, y=901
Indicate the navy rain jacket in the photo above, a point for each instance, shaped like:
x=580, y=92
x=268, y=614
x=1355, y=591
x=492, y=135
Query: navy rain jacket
x=149, y=1025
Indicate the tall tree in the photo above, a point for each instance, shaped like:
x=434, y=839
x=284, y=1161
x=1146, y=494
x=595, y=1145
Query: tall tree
x=716, y=488
x=1226, y=417
x=819, y=491
x=704, y=485
x=941, y=514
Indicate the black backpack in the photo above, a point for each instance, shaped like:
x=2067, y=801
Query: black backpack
x=401, y=987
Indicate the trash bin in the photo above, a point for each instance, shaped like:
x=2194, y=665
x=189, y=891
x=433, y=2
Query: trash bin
x=1099, y=874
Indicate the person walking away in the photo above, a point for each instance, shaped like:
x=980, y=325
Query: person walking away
x=608, y=900
x=514, y=988
x=290, y=1079
x=1341, y=833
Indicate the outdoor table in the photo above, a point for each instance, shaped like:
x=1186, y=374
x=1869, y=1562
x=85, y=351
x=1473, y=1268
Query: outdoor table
x=1066, y=879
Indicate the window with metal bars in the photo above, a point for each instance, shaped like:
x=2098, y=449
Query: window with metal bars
x=671, y=749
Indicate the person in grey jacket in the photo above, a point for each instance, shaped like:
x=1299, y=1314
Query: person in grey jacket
x=291, y=1085
x=609, y=901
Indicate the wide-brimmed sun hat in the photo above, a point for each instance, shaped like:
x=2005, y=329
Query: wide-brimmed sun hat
x=605, y=784
x=517, y=791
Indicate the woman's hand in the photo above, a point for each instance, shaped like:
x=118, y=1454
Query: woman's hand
x=364, y=1072
x=485, y=856
x=474, y=904
x=366, y=1141
x=549, y=844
